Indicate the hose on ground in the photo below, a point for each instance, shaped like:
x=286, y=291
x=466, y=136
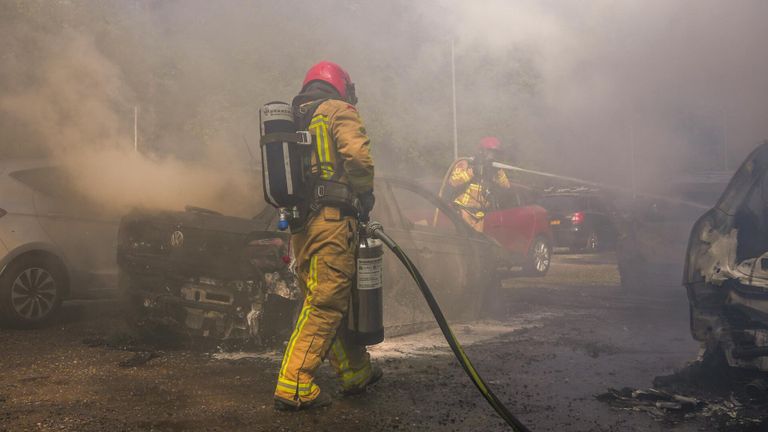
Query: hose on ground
x=376, y=230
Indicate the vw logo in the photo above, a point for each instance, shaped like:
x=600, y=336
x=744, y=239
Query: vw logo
x=177, y=239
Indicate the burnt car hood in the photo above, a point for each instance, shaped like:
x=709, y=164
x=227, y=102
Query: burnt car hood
x=198, y=243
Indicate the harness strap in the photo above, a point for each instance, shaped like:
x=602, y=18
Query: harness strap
x=299, y=137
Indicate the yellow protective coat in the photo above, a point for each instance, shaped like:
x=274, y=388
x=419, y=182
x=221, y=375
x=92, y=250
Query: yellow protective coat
x=473, y=201
x=325, y=258
x=343, y=147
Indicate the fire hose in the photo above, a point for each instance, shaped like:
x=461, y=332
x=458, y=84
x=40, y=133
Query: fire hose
x=376, y=230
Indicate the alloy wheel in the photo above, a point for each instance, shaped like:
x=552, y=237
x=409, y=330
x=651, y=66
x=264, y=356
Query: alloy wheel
x=592, y=242
x=541, y=257
x=34, y=293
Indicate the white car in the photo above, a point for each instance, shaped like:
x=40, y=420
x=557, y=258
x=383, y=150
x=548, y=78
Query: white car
x=54, y=243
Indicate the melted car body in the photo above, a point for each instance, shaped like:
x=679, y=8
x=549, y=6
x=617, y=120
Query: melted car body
x=726, y=272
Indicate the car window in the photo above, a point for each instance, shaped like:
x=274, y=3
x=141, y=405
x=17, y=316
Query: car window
x=51, y=181
x=507, y=198
x=422, y=213
x=561, y=203
x=59, y=192
x=525, y=196
x=752, y=224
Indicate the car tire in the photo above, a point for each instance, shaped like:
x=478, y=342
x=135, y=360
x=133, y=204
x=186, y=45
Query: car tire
x=31, y=290
x=135, y=312
x=539, y=258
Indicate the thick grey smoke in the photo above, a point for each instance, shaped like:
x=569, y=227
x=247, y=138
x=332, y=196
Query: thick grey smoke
x=69, y=103
x=570, y=86
x=683, y=81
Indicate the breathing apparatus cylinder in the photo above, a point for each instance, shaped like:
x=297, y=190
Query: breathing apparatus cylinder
x=284, y=153
x=366, y=314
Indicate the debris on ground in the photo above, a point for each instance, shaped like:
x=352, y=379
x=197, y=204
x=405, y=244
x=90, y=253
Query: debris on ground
x=728, y=414
x=659, y=404
x=730, y=400
x=139, y=359
x=117, y=341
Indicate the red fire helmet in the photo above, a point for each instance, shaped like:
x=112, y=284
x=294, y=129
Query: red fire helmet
x=490, y=143
x=334, y=75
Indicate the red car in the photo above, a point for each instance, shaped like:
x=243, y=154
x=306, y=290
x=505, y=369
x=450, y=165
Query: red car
x=518, y=224
x=522, y=227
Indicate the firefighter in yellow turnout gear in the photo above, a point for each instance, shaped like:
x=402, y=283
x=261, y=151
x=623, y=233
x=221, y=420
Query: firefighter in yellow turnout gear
x=476, y=177
x=324, y=246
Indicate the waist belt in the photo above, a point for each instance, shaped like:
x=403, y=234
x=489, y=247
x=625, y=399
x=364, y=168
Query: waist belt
x=334, y=194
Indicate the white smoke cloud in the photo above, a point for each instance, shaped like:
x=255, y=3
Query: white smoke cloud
x=682, y=80
x=76, y=101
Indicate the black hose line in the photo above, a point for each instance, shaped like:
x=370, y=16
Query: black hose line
x=376, y=230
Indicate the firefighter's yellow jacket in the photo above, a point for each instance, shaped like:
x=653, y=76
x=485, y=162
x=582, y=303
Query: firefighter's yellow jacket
x=343, y=147
x=474, y=196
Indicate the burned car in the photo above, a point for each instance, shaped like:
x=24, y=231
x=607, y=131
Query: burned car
x=204, y=274
x=726, y=270
x=225, y=277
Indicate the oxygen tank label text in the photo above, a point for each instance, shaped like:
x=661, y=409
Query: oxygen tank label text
x=369, y=273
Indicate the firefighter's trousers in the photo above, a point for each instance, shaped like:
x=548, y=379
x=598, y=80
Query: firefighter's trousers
x=325, y=262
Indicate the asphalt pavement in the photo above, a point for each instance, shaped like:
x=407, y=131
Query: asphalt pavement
x=559, y=341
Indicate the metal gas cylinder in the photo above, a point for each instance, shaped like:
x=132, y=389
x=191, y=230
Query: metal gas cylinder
x=284, y=152
x=366, y=312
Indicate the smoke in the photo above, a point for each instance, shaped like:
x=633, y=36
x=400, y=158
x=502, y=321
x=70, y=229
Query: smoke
x=73, y=106
x=679, y=84
x=63, y=92
x=599, y=89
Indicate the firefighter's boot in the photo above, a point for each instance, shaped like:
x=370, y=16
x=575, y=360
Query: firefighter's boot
x=322, y=400
x=373, y=378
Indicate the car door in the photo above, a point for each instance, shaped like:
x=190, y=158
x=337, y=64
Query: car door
x=444, y=248
x=83, y=230
x=512, y=224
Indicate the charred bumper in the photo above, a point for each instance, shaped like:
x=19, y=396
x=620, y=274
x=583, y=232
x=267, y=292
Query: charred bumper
x=263, y=312
x=207, y=275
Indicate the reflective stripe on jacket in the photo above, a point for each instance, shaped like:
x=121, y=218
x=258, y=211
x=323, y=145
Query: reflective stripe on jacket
x=342, y=145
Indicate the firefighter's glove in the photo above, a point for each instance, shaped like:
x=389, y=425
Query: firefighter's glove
x=367, y=201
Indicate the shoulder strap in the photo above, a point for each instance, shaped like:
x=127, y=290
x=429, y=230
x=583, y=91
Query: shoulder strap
x=303, y=113
x=303, y=117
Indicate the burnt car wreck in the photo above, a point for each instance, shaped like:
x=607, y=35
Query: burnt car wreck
x=726, y=272
x=200, y=273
